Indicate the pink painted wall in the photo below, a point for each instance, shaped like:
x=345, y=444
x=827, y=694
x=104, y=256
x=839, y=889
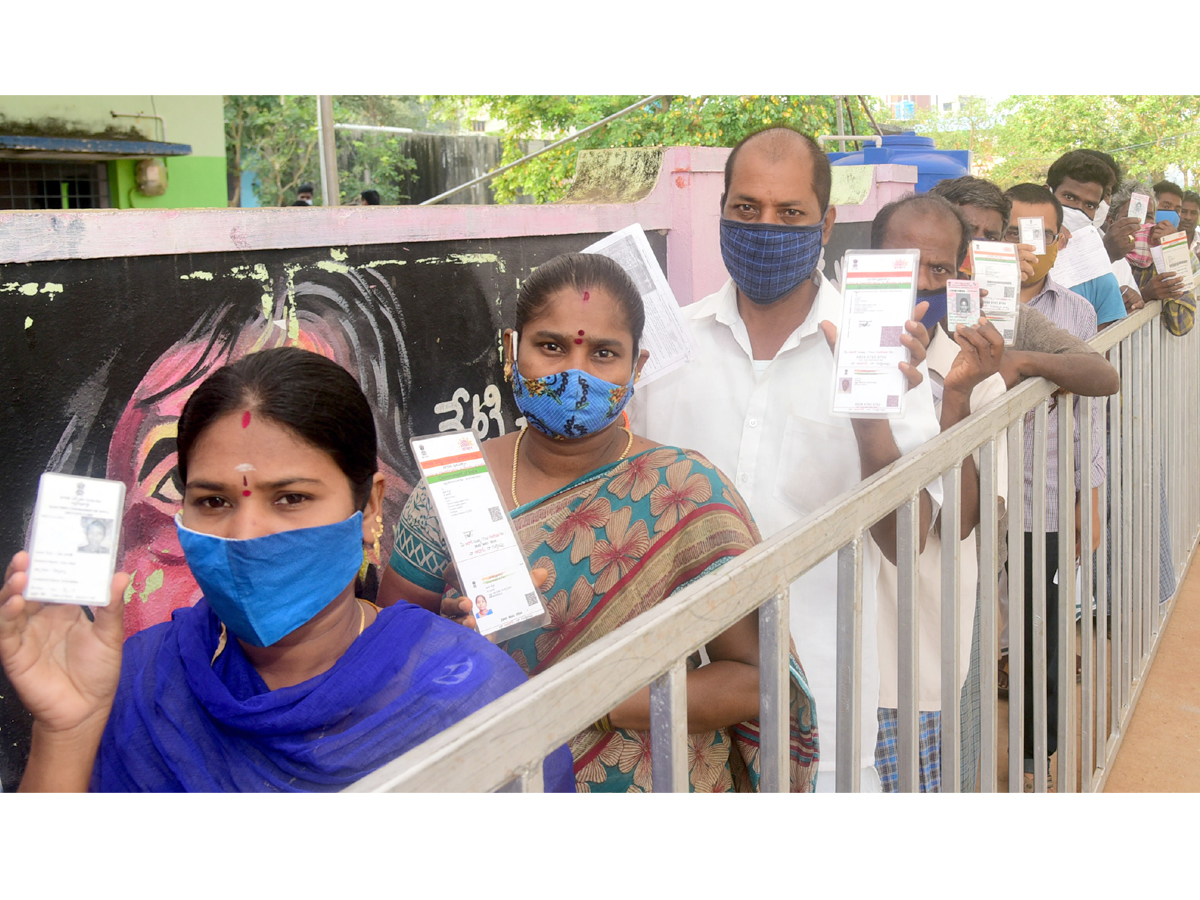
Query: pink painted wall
x=685, y=204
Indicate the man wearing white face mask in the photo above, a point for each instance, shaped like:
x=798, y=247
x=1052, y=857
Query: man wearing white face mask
x=756, y=401
x=1079, y=181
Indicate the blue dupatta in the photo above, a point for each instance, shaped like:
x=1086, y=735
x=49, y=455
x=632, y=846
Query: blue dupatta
x=184, y=722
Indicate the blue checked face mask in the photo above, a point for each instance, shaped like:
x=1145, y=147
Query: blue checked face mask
x=569, y=404
x=767, y=262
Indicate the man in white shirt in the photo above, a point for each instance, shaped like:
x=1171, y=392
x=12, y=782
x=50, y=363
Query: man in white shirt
x=961, y=382
x=756, y=400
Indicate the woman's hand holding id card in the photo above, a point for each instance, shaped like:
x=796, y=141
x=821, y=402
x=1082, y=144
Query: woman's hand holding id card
x=491, y=565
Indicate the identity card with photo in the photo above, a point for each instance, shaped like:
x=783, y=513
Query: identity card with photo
x=962, y=303
x=73, y=541
x=997, y=270
x=1033, y=231
x=487, y=554
x=1138, y=204
x=1175, y=257
x=877, y=300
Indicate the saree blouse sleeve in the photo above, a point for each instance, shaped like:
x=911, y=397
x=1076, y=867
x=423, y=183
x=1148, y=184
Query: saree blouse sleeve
x=420, y=553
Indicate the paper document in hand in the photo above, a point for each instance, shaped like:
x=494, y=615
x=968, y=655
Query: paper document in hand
x=491, y=565
x=667, y=335
x=1175, y=257
x=877, y=302
x=1083, y=259
x=997, y=271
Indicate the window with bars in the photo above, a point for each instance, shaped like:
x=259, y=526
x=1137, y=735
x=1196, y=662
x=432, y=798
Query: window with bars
x=52, y=184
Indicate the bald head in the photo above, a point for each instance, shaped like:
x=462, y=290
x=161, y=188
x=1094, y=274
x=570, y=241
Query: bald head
x=916, y=207
x=780, y=144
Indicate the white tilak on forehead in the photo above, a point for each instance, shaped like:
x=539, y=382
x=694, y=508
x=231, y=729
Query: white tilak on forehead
x=244, y=467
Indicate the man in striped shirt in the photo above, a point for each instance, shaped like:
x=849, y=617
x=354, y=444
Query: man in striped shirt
x=1073, y=313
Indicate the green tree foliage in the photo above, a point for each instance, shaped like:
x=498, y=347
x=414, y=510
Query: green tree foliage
x=1017, y=139
x=1144, y=134
x=276, y=138
x=706, y=121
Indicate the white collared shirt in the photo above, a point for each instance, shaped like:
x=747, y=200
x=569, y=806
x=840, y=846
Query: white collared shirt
x=773, y=435
x=942, y=351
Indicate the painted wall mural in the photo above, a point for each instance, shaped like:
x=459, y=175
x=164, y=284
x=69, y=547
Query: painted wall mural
x=100, y=356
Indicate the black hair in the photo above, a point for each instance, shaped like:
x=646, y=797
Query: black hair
x=1191, y=197
x=1036, y=193
x=371, y=197
x=1168, y=187
x=1112, y=163
x=305, y=188
x=300, y=390
x=822, y=176
x=971, y=191
x=581, y=271
x=930, y=202
x=1084, y=166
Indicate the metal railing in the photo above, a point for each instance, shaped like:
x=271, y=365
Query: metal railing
x=1152, y=434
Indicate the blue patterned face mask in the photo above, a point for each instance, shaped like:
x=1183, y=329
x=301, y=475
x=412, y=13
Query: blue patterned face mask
x=264, y=588
x=767, y=262
x=568, y=404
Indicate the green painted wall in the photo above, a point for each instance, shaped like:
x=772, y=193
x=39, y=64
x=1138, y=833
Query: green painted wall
x=192, y=181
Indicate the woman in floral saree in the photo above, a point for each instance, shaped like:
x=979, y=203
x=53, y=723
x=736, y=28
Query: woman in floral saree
x=619, y=523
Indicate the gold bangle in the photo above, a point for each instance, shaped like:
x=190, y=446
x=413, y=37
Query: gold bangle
x=604, y=723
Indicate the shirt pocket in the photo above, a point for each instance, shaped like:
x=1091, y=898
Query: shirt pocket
x=817, y=461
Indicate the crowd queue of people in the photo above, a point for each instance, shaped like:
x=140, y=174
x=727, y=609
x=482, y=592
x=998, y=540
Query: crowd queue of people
x=282, y=678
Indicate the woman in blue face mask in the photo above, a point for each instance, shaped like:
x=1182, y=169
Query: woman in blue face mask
x=280, y=678
x=618, y=522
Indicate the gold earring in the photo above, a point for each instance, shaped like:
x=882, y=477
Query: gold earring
x=378, y=534
x=508, y=371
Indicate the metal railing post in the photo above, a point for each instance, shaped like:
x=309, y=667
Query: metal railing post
x=668, y=730
x=849, y=665
x=988, y=613
x=951, y=540
x=774, y=634
x=907, y=547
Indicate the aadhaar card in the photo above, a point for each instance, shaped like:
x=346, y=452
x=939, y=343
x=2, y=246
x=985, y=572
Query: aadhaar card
x=1033, y=231
x=73, y=542
x=1175, y=257
x=877, y=301
x=962, y=303
x=1138, y=204
x=997, y=270
x=491, y=565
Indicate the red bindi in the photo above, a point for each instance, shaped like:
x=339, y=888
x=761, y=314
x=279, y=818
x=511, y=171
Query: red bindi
x=246, y=419
x=579, y=340
x=586, y=296
x=245, y=493
x=581, y=332
x=245, y=483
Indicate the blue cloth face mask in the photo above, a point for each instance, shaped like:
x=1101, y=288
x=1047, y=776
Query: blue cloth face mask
x=264, y=588
x=767, y=262
x=569, y=404
x=937, y=308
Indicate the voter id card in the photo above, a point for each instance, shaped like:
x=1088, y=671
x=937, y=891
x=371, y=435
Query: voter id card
x=962, y=303
x=1138, y=204
x=879, y=292
x=73, y=542
x=490, y=562
x=997, y=270
x=1033, y=231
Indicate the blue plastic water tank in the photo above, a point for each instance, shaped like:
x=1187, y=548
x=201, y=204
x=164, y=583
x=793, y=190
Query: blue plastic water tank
x=910, y=149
